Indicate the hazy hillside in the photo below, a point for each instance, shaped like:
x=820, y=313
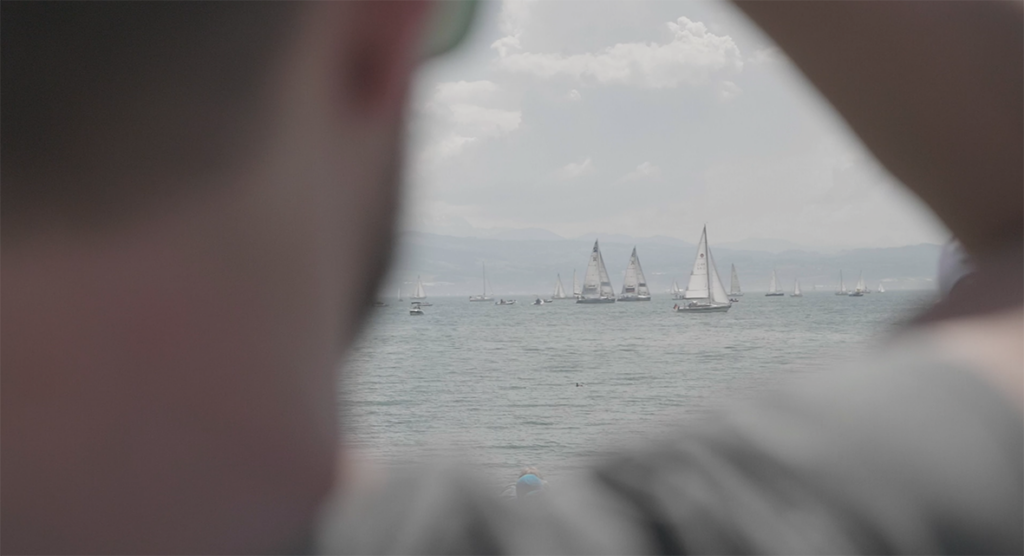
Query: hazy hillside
x=451, y=265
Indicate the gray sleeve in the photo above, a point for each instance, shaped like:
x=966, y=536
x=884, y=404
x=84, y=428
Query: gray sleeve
x=907, y=455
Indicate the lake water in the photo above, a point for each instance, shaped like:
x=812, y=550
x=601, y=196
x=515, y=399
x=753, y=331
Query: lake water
x=496, y=385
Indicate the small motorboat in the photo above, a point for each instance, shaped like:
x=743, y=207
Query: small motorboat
x=538, y=301
x=505, y=302
x=415, y=310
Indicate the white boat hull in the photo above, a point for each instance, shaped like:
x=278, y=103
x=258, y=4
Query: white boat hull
x=703, y=308
x=635, y=298
x=591, y=300
x=479, y=298
x=780, y=294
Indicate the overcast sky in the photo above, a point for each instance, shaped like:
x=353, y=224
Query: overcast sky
x=641, y=118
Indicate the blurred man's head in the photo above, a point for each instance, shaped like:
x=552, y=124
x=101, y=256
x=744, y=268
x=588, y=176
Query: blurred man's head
x=198, y=201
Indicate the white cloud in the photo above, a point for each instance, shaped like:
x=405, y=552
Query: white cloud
x=574, y=170
x=766, y=55
x=506, y=44
x=462, y=91
x=574, y=95
x=644, y=170
x=727, y=90
x=690, y=57
x=513, y=16
x=485, y=122
x=460, y=117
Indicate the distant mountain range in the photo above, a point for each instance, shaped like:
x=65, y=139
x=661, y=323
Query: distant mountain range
x=525, y=263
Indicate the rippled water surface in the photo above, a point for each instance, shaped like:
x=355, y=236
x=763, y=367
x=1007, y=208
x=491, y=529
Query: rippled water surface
x=497, y=385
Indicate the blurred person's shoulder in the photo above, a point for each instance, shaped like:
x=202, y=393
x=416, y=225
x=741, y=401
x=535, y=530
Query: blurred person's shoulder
x=915, y=449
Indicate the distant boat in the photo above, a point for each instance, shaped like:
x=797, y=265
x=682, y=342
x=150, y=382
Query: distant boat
x=634, y=286
x=419, y=292
x=483, y=296
x=538, y=301
x=505, y=302
x=734, y=284
x=575, y=285
x=379, y=304
x=842, y=286
x=773, y=287
x=858, y=291
x=559, y=290
x=415, y=309
x=881, y=288
x=705, y=292
x=676, y=292
x=796, y=289
x=597, y=286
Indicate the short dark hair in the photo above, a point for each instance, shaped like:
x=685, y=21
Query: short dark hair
x=104, y=104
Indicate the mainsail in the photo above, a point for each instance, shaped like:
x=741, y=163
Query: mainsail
x=575, y=284
x=419, y=292
x=675, y=290
x=559, y=290
x=634, y=285
x=596, y=283
x=881, y=288
x=860, y=284
x=796, y=288
x=705, y=283
x=773, y=287
x=734, y=284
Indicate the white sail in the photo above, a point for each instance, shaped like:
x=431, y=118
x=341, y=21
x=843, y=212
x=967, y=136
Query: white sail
x=575, y=284
x=559, y=290
x=881, y=288
x=773, y=287
x=596, y=282
x=734, y=283
x=860, y=284
x=634, y=284
x=796, y=287
x=705, y=290
x=699, y=286
x=419, y=292
x=718, y=294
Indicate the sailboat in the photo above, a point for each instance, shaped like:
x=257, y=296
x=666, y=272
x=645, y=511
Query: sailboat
x=634, y=286
x=597, y=286
x=881, y=288
x=483, y=296
x=842, y=286
x=773, y=287
x=796, y=289
x=418, y=292
x=676, y=292
x=705, y=292
x=734, y=285
x=858, y=291
x=415, y=309
x=399, y=293
x=575, y=285
x=559, y=290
